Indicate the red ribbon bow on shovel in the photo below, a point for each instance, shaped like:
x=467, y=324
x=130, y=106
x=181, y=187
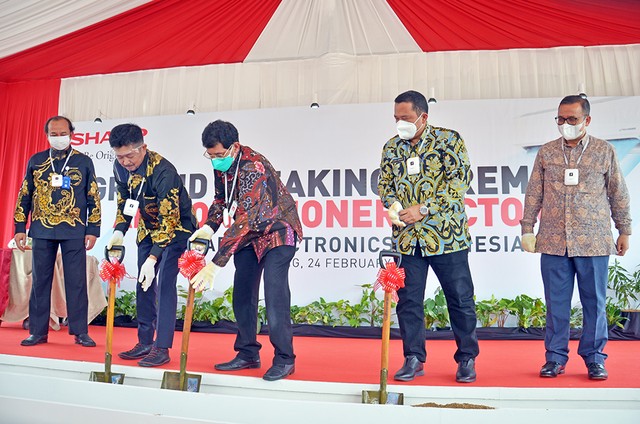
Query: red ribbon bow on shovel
x=112, y=270
x=190, y=263
x=390, y=278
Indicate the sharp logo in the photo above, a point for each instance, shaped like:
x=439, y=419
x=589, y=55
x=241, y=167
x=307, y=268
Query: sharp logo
x=94, y=138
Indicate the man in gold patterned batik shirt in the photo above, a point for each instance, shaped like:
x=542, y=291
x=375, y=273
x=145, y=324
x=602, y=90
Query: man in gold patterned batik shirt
x=149, y=184
x=61, y=194
x=577, y=188
x=424, y=175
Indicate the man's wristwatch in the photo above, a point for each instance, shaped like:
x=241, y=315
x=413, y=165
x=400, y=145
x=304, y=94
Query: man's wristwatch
x=424, y=210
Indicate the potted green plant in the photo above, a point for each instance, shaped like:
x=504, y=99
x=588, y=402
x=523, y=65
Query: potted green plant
x=625, y=286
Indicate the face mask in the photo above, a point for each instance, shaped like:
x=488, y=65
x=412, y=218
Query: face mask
x=407, y=130
x=59, y=142
x=571, y=132
x=222, y=164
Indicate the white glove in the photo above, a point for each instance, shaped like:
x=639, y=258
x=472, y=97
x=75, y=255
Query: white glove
x=205, y=232
x=117, y=239
x=204, y=279
x=393, y=212
x=529, y=242
x=147, y=273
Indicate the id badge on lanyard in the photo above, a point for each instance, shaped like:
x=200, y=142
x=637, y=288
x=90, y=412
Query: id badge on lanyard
x=131, y=205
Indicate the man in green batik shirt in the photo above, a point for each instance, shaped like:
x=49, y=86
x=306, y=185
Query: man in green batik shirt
x=424, y=175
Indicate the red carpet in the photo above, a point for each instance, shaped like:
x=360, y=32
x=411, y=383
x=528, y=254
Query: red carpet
x=502, y=363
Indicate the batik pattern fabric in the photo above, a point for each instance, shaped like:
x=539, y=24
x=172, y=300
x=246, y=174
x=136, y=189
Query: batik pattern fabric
x=266, y=216
x=441, y=183
x=59, y=213
x=576, y=219
x=165, y=208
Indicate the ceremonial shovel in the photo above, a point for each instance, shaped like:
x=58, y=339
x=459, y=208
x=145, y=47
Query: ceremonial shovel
x=116, y=252
x=382, y=396
x=181, y=380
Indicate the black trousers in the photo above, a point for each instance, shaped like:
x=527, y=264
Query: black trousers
x=74, y=265
x=452, y=270
x=156, y=308
x=246, y=287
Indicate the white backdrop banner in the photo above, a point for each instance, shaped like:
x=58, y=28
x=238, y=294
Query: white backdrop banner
x=329, y=159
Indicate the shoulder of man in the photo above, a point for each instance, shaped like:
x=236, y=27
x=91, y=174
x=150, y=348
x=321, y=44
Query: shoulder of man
x=442, y=132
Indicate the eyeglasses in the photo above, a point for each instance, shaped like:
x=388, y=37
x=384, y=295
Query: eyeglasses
x=572, y=120
x=218, y=155
x=132, y=154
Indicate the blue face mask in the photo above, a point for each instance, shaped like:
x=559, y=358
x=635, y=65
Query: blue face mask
x=222, y=164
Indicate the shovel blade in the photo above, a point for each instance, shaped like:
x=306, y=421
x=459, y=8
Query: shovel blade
x=373, y=397
x=102, y=377
x=171, y=381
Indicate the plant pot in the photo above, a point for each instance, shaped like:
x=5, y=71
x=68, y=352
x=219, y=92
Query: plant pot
x=631, y=323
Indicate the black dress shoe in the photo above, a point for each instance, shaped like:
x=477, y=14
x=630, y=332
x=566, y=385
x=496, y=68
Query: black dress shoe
x=466, y=371
x=597, y=371
x=551, y=369
x=158, y=356
x=276, y=372
x=139, y=351
x=85, y=340
x=237, y=364
x=33, y=340
x=412, y=368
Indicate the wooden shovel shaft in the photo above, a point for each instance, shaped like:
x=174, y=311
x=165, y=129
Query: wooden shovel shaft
x=186, y=331
x=110, y=313
x=384, y=362
x=188, y=318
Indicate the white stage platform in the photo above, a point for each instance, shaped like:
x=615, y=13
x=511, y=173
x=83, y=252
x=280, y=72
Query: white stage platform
x=35, y=390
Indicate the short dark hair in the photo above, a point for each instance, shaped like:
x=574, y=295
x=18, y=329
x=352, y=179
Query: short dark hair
x=125, y=135
x=219, y=132
x=417, y=100
x=584, y=103
x=58, y=118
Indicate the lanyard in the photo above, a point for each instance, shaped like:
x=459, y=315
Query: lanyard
x=227, y=199
x=425, y=134
x=566, y=161
x=63, y=166
x=139, y=189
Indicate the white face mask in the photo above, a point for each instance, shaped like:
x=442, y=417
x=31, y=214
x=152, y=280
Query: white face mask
x=59, y=142
x=572, y=132
x=407, y=130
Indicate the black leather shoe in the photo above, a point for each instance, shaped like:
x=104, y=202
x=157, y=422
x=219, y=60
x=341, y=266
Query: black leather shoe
x=597, y=371
x=412, y=368
x=276, y=372
x=33, y=340
x=551, y=369
x=237, y=364
x=139, y=351
x=158, y=356
x=466, y=371
x=85, y=340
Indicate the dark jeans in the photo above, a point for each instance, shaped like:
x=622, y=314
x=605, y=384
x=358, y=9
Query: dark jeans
x=452, y=270
x=246, y=286
x=162, y=292
x=74, y=265
x=558, y=275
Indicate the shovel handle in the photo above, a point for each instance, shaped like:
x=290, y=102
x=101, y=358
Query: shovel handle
x=396, y=256
x=114, y=248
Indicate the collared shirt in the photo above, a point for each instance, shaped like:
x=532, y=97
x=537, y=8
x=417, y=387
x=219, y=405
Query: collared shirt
x=441, y=183
x=266, y=216
x=166, y=211
x=59, y=213
x=577, y=218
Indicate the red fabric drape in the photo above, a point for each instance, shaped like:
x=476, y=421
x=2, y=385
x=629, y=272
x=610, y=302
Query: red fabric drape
x=440, y=25
x=25, y=107
x=159, y=34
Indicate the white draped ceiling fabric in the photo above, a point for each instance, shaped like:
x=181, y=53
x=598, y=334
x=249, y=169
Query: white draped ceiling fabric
x=335, y=51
